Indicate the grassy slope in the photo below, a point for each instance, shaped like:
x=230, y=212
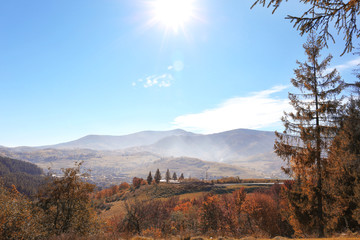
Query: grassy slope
x=163, y=191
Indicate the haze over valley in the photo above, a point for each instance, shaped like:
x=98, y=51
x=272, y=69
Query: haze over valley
x=242, y=153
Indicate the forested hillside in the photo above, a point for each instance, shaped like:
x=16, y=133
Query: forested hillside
x=26, y=177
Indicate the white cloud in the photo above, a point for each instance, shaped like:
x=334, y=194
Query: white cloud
x=347, y=65
x=163, y=80
x=160, y=80
x=259, y=110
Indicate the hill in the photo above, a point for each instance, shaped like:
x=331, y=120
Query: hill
x=243, y=148
x=196, y=168
x=240, y=152
x=105, y=142
x=216, y=147
x=27, y=177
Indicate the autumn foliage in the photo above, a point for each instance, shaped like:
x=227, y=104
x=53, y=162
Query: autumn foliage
x=61, y=207
x=235, y=214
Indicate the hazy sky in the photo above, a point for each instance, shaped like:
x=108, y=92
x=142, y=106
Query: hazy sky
x=72, y=68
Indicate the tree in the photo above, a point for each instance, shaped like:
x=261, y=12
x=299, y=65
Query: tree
x=19, y=219
x=167, y=176
x=135, y=214
x=157, y=176
x=66, y=203
x=321, y=15
x=149, y=178
x=181, y=177
x=308, y=134
x=174, y=176
x=124, y=186
x=137, y=182
x=345, y=154
x=211, y=214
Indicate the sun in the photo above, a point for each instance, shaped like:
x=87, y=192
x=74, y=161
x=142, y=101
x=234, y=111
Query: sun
x=173, y=14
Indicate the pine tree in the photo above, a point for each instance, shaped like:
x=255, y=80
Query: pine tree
x=167, y=176
x=149, y=178
x=174, y=176
x=345, y=154
x=181, y=177
x=307, y=135
x=157, y=176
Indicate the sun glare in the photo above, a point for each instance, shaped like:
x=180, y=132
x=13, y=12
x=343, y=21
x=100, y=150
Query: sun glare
x=173, y=14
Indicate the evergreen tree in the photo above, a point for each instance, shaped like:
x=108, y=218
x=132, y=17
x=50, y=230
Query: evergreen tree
x=157, y=176
x=307, y=136
x=174, y=176
x=181, y=176
x=167, y=176
x=345, y=154
x=320, y=14
x=149, y=178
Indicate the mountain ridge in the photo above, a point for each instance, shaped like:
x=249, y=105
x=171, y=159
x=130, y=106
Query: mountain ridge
x=137, y=152
x=113, y=142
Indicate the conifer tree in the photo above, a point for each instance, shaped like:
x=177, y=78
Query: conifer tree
x=181, y=176
x=345, y=154
x=149, y=178
x=174, y=176
x=167, y=176
x=307, y=136
x=157, y=176
x=320, y=14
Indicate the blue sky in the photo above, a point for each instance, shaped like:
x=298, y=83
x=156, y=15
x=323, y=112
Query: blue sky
x=73, y=68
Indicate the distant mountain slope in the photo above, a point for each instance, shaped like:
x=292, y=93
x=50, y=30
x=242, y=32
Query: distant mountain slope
x=25, y=176
x=239, y=144
x=105, y=142
x=125, y=156
x=196, y=168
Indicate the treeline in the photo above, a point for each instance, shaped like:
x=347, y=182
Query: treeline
x=8, y=165
x=239, y=180
x=27, y=177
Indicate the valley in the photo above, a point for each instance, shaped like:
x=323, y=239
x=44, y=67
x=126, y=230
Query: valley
x=112, y=159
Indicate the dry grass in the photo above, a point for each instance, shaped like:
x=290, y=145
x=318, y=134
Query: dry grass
x=118, y=209
x=191, y=195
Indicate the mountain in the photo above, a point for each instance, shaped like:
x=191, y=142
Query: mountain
x=105, y=142
x=248, y=152
x=240, y=147
x=220, y=147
